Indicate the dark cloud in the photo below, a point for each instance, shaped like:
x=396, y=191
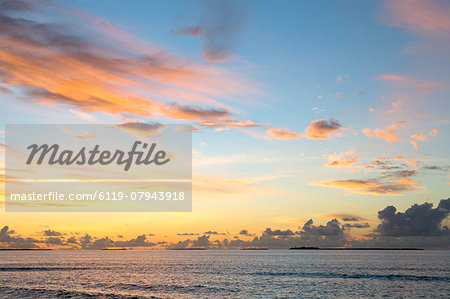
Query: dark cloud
x=195, y=112
x=213, y=233
x=220, y=28
x=418, y=220
x=346, y=219
x=332, y=228
x=277, y=232
x=245, y=232
x=419, y=226
x=51, y=233
x=432, y=167
x=142, y=129
x=437, y=169
x=402, y=173
x=188, y=234
x=357, y=225
x=54, y=241
x=14, y=5
x=72, y=240
x=139, y=241
x=322, y=129
x=7, y=240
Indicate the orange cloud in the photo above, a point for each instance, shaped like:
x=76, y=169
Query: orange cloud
x=322, y=129
x=389, y=134
x=374, y=186
x=343, y=159
x=420, y=137
x=433, y=132
x=283, y=133
x=108, y=71
x=415, y=144
x=317, y=129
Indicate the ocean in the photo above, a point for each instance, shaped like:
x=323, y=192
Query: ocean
x=221, y=273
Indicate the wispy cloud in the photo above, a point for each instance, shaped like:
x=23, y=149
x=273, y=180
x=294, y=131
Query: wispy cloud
x=219, y=28
x=418, y=85
x=377, y=186
x=427, y=18
x=92, y=66
x=280, y=133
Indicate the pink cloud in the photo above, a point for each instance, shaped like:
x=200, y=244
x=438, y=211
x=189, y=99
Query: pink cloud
x=427, y=18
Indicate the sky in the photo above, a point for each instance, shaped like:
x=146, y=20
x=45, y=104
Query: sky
x=334, y=111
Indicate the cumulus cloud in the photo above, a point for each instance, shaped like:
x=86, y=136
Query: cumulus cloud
x=417, y=220
x=322, y=129
x=389, y=134
x=9, y=240
x=332, y=228
x=277, y=232
x=421, y=225
x=245, y=232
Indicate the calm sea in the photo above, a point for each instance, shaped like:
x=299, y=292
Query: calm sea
x=212, y=274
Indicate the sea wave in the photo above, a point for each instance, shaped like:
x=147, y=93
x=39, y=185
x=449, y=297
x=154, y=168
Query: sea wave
x=24, y=269
x=21, y=292
x=356, y=276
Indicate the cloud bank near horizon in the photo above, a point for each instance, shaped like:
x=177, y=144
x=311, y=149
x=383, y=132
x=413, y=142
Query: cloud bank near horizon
x=419, y=226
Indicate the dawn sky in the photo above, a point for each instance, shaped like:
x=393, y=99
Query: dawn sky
x=301, y=110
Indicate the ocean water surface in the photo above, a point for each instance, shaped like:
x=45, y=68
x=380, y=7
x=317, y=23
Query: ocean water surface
x=217, y=273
